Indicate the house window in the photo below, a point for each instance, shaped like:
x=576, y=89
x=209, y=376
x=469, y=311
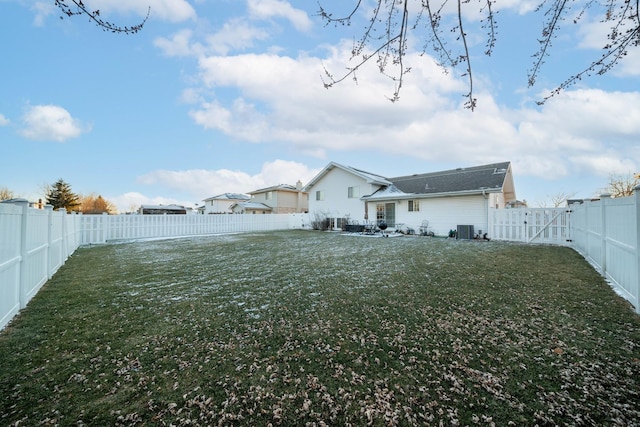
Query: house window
x=414, y=205
x=353, y=192
x=319, y=195
x=268, y=195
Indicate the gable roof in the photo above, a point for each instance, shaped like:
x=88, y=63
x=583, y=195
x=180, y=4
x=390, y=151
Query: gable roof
x=369, y=177
x=488, y=178
x=280, y=187
x=228, y=196
x=252, y=205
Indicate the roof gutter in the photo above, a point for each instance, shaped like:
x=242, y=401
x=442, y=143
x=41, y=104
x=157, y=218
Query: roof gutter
x=409, y=196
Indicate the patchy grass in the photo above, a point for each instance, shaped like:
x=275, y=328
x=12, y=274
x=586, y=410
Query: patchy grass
x=316, y=328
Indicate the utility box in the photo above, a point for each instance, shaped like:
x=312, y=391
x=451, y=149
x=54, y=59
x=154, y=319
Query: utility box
x=464, y=232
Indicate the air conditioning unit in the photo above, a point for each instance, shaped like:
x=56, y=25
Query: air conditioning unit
x=464, y=232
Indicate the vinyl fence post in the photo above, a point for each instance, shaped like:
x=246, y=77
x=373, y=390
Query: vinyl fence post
x=23, y=252
x=636, y=290
x=105, y=227
x=604, y=199
x=65, y=248
x=49, y=210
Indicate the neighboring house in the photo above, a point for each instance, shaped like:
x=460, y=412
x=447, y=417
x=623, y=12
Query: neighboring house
x=446, y=199
x=250, y=208
x=162, y=209
x=222, y=203
x=283, y=198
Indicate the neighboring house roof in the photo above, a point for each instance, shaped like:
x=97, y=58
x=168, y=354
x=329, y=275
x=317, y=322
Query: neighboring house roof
x=280, y=187
x=164, y=207
x=369, y=177
x=229, y=196
x=251, y=205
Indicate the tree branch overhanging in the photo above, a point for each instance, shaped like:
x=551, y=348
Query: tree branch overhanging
x=387, y=33
x=71, y=8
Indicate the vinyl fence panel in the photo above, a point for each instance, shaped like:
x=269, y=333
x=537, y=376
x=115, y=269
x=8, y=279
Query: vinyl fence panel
x=34, y=244
x=10, y=230
x=97, y=229
x=607, y=233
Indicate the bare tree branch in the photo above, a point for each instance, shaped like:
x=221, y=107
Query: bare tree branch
x=624, y=33
x=387, y=32
x=69, y=10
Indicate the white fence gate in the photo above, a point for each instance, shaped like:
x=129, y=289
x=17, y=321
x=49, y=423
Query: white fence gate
x=531, y=225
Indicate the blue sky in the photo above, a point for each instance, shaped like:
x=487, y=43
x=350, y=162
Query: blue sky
x=227, y=96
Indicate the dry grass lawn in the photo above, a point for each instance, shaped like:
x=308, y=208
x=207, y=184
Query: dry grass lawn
x=313, y=328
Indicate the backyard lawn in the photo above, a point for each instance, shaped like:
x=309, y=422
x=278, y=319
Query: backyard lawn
x=315, y=328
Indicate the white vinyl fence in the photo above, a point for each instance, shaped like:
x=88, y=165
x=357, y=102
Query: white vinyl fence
x=97, y=229
x=607, y=233
x=544, y=225
x=34, y=244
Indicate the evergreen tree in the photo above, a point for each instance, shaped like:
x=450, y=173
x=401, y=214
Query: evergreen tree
x=59, y=195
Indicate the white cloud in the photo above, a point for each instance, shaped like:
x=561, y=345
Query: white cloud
x=50, y=123
x=179, y=44
x=282, y=99
x=521, y=6
x=235, y=34
x=3, y=120
x=42, y=10
x=241, y=120
x=201, y=183
x=605, y=164
x=266, y=9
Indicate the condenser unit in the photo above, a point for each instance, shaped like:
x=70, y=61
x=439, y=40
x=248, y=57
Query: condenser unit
x=464, y=232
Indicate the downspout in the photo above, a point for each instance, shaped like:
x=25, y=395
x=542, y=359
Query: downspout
x=486, y=209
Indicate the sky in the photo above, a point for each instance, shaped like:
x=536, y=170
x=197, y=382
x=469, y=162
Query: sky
x=216, y=96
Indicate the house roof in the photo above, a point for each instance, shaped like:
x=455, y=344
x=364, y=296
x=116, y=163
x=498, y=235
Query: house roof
x=164, y=207
x=488, y=178
x=280, y=187
x=367, y=176
x=252, y=205
x=228, y=196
